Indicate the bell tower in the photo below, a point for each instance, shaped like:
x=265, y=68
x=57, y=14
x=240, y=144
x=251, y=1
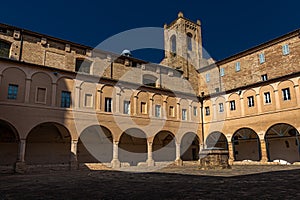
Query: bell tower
x=183, y=45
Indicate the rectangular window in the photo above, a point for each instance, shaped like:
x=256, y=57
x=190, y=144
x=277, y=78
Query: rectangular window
x=65, y=99
x=264, y=77
x=88, y=100
x=40, y=95
x=221, y=107
x=12, y=91
x=222, y=71
x=285, y=49
x=232, y=105
x=157, y=110
x=195, y=111
x=184, y=114
x=286, y=94
x=261, y=58
x=267, y=97
x=250, y=101
x=108, y=104
x=207, y=76
x=171, y=111
x=237, y=66
x=126, y=107
x=143, y=108
x=207, y=111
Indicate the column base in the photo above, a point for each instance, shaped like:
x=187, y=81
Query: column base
x=150, y=162
x=74, y=165
x=115, y=163
x=178, y=162
x=20, y=167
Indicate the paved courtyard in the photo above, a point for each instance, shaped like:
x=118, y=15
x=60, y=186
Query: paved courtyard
x=247, y=182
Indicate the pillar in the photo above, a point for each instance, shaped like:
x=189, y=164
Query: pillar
x=115, y=161
x=54, y=95
x=118, y=97
x=231, y=153
x=263, y=149
x=73, y=158
x=135, y=106
x=178, y=111
x=27, y=90
x=178, y=160
x=20, y=166
x=150, y=160
x=164, y=110
x=150, y=107
x=277, y=99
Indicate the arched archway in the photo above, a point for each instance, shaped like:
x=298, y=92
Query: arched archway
x=216, y=140
x=246, y=145
x=282, y=142
x=189, y=147
x=48, y=143
x=9, y=138
x=164, y=148
x=133, y=146
x=95, y=145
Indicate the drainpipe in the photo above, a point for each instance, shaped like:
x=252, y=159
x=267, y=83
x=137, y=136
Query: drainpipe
x=200, y=99
x=21, y=47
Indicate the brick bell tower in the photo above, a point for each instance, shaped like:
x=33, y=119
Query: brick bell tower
x=183, y=45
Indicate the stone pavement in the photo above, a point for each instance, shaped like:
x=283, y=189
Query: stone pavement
x=247, y=182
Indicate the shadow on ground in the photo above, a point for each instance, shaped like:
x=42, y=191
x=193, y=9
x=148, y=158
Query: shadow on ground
x=170, y=183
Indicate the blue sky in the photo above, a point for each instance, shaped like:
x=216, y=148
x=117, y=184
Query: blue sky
x=228, y=27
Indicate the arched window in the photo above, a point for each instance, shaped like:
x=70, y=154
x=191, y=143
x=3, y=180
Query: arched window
x=4, y=49
x=83, y=65
x=189, y=41
x=173, y=44
x=149, y=80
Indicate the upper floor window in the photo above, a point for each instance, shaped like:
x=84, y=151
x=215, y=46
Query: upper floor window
x=88, y=101
x=149, y=80
x=232, y=105
x=195, y=111
x=207, y=111
x=261, y=58
x=65, y=99
x=264, y=77
x=157, y=110
x=171, y=111
x=40, y=95
x=143, y=108
x=189, y=42
x=237, y=66
x=221, y=107
x=4, y=49
x=286, y=94
x=207, y=76
x=126, y=107
x=222, y=71
x=250, y=101
x=108, y=104
x=184, y=114
x=173, y=44
x=285, y=49
x=83, y=65
x=12, y=91
x=267, y=97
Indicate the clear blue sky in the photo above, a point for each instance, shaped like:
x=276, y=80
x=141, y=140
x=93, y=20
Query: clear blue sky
x=228, y=27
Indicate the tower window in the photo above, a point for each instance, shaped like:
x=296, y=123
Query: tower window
x=261, y=58
x=207, y=77
x=195, y=109
x=189, y=42
x=286, y=94
x=237, y=66
x=173, y=44
x=222, y=72
x=285, y=49
x=250, y=101
x=4, y=49
x=65, y=99
x=12, y=91
x=264, y=77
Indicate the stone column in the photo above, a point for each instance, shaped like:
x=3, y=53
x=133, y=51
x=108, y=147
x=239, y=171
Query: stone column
x=164, y=110
x=258, y=101
x=150, y=160
x=27, y=90
x=115, y=161
x=54, y=95
x=20, y=166
x=150, y=107
x=178, y=111
x=231, y=153
x=135, y=106
x=118, y=97
x=178, y=160
x=263, y=148
x=73, y=158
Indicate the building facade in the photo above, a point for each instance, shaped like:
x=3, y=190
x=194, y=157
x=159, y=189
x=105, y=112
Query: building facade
x=65, y=104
